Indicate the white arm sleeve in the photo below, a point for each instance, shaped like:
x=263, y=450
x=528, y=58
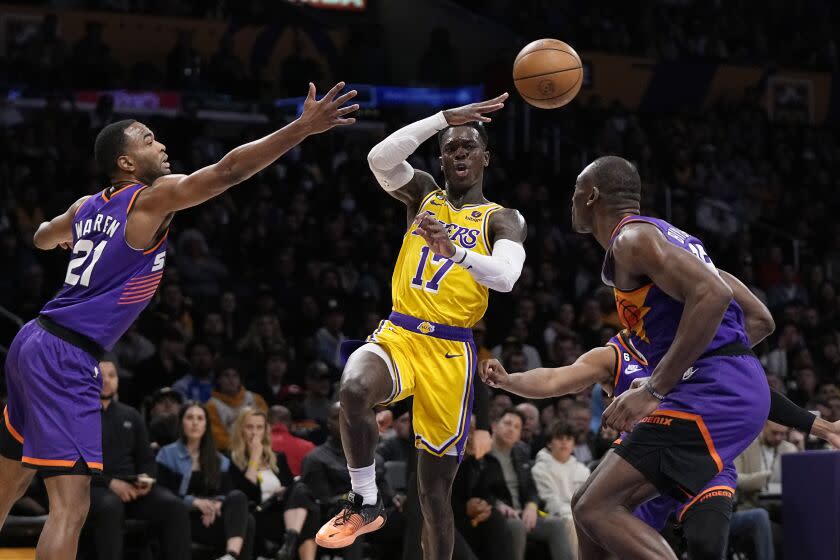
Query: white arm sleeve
x=387, y=159
x=498, y=271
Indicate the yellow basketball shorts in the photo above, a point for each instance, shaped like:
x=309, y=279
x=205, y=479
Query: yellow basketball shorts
x=435, y=363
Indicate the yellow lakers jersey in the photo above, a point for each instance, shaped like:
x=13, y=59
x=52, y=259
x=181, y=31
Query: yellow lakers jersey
x=431, y=287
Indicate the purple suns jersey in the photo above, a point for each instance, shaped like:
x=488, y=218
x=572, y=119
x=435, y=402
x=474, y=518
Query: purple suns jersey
x=108, y=283
x=630, y=363
x=651, y=315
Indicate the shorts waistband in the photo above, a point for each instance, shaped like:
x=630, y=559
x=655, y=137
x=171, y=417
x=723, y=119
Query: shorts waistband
x=429, y=328
x=72, y=337
x=731, y=349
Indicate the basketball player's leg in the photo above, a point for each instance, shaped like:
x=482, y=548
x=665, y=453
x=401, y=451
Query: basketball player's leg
x=588, y=549
x=366, y=382
x=706, y=528
x=69, y=497
x=434, y=479
x=613, y=493
x=14, y=480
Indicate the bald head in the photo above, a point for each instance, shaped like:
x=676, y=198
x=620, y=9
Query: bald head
x=279, y=415
x=617, y=180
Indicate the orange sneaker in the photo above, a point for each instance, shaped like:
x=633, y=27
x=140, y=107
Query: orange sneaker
x=354, y=520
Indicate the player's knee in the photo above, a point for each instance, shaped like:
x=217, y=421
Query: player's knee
x=355, y=394
x=434, y=503
x=585, y=510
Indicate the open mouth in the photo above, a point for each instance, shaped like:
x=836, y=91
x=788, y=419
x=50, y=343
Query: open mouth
x=461, y=169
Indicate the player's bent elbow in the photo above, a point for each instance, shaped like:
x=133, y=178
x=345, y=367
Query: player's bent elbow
x=39, y=239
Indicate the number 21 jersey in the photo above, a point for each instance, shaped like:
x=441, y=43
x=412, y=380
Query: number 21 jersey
x=108, y=283
x=433, y=288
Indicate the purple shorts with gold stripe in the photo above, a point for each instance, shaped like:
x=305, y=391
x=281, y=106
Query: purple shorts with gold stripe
x=52, y=419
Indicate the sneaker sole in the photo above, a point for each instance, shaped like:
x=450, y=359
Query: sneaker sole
x=341, y=542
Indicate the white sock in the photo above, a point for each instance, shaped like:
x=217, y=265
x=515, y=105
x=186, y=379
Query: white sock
x=364, y=483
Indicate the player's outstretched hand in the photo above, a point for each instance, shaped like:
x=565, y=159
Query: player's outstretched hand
x=628, y=408
x=493, y=373
x=323, y=114
x=474, y=111
x=435, y=235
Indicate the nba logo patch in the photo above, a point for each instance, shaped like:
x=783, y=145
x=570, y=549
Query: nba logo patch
x=476, y=213
x=426, y=328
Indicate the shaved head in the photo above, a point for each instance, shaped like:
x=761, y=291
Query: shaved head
x=616, y=178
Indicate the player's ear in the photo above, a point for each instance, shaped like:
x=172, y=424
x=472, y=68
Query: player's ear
x=440, y=159
x=125, y=163
x=486, y=158
x=593, y=196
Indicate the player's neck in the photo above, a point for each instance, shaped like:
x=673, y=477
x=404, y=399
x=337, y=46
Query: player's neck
x=460, y=198
x=604, y=226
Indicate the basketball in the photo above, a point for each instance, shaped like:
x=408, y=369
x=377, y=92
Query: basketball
x=547, y=73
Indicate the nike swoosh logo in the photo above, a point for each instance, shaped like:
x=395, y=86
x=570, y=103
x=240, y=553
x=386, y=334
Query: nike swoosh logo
x=448, y=355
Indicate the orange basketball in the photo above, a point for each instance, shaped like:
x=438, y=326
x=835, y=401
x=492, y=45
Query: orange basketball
x=547, y=73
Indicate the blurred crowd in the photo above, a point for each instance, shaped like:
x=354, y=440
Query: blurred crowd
x=803, y=35
x=264, y=283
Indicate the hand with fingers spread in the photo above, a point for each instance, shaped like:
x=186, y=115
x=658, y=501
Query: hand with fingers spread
x=474, y=111
x=435, y=235
x=329, y=111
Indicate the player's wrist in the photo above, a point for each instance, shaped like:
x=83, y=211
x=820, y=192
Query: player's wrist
x=459, y=254
x=651, y=389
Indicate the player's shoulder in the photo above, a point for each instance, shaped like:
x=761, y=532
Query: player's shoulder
x=510, y=221
x=636, y=239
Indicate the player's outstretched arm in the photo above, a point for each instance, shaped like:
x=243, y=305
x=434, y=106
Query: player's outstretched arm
x=387, y=160
x=177, y=192
x=643, y=251
x=498, y=271
x=759, y=321
x=58, y=231
x=596, y=366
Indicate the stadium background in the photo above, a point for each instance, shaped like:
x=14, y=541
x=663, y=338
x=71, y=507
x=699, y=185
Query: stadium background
x=730, y=114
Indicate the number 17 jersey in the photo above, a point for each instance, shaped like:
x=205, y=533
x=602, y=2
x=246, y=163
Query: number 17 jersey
x=433, y=288
x=108, y=282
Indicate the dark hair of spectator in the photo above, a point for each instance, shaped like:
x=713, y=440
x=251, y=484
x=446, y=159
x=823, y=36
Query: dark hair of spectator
x=482, y=132
x=560, y=429
x=208, y=457
x=617, y=179
x=515, y=413
x=110, y=145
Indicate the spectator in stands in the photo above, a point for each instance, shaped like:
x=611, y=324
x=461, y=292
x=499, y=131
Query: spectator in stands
x=213, y=332
x=558, y=475
x=275, y=387
x=398, y=446
x=317, y=402
x=283, y=441
x=580, y=419
x=479, y=338
x=325, y=473
x=197, y=385
x=482, y=526
x=263, y=338
x=499, y=403
x=514, y=493
x=805, y=386
x=590, y=324
x=162, y=408
x=264, y=476
x=202, y=274
x=517, y=341
x=228, y=399
x=132, y=349
x=193, y=469
x=787, y=291
x=329, y=337
x=531, y=440
x=164, y=368
x=777, y=360
x=127, y=486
